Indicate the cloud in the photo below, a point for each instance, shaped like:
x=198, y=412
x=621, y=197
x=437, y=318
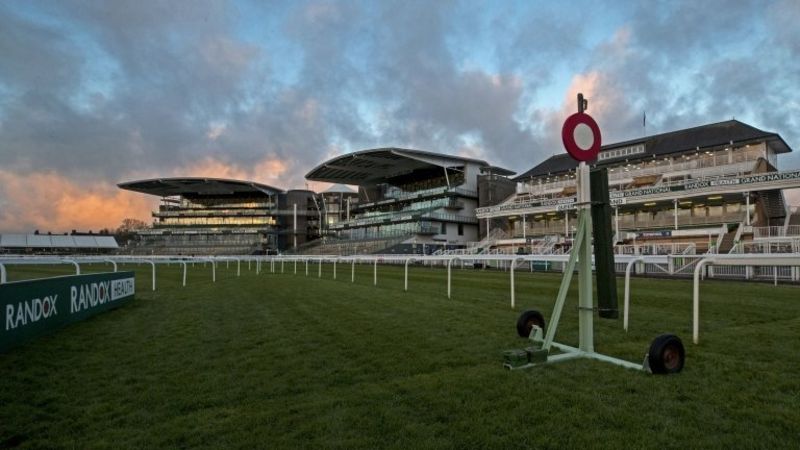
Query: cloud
x=269, y=170
x=47, y=201
x=96, y=92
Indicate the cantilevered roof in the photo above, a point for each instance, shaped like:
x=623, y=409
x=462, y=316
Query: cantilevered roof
x=165, y=187
x=372, y=166
x=680, y=141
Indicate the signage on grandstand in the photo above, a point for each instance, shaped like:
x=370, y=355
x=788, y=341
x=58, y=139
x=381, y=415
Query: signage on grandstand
x=711, y=182
x=654, y=234
x=620, y=197
x=35, y=307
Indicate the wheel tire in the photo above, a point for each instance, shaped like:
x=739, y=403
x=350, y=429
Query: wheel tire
x=666, y=354
x=527, y=320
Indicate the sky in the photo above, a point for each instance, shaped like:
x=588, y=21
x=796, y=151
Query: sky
x=96, y=92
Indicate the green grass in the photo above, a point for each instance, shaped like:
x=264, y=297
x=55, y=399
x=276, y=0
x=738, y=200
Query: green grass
x=288, y=361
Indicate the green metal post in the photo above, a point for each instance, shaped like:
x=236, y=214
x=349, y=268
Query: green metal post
x=603, y=245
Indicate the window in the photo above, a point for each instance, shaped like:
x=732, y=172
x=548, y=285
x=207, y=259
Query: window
x=444, y=228
x=620, y=152
x=461, y=229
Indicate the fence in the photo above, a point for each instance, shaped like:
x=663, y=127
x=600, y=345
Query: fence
x=755, y=266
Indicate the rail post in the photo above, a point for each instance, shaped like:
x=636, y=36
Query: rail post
x=113, y=263
x=408, y=260
x=449, y=273
x=213, y=271
x=627, y=301
x=513, y=265
x=74, y=263
x=153, y=265
x=696, y=298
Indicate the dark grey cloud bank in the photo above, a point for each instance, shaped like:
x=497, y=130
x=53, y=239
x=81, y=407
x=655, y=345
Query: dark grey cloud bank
x=369, y=74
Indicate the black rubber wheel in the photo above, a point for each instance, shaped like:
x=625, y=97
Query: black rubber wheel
x=666, y=354
x=527, y=320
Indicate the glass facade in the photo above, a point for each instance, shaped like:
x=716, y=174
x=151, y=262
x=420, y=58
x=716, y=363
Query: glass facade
x=422, y=205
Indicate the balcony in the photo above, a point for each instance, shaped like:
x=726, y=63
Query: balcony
x=662, y=220
x=416, y=195
x=455, y=205
x=721, y=163
x=791, y=231
x=221, y=205
x=402, y=216
x=666, y=220
x=180, y=212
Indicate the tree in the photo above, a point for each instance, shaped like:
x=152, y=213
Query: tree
x=127, y=230
x=130, y=225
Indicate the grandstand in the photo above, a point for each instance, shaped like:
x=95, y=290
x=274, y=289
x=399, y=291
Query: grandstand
x=714, y=188
x=211, y=216
x=409, y=201
x=57, y=244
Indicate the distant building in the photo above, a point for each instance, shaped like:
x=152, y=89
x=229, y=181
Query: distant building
x=57, y=244
x=211, y=216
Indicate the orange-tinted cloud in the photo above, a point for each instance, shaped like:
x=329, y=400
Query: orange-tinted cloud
x=47, y=201
x=595, y=87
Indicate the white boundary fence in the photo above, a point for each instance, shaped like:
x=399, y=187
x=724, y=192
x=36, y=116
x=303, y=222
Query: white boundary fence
x=751, y=266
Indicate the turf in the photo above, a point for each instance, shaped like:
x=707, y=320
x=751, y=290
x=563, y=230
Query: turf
x=289, y=361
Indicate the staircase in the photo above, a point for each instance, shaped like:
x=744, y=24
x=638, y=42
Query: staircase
x=487, y=242
x=728, y=240
x=546, y=246
x=774, y=206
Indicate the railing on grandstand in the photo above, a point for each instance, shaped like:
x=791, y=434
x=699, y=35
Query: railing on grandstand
x=656, y=249
x=714, y=165
x=629, y=223
x=401, y=216
x=776, y=231
x=367, y=233
x=782, y=246
x=422, y=194
x=447, y=217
